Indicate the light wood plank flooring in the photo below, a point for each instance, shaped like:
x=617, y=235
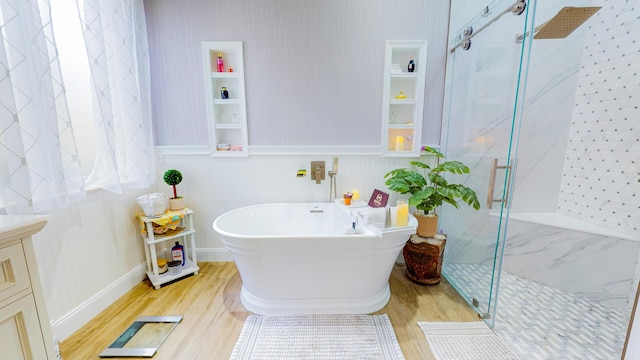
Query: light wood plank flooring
x=214, y=315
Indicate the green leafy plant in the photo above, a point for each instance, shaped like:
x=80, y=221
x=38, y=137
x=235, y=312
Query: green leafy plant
x=428, y=188
x=173, y=177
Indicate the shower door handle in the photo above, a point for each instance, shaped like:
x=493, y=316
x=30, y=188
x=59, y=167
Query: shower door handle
x=492, y=184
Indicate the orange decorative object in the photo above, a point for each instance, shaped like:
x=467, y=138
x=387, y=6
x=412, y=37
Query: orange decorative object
x=230, y=68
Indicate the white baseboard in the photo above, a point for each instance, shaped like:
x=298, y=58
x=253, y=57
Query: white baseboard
x=78, y=317
x=213, y=255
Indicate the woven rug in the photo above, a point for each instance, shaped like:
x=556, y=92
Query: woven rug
x=465, y=341
x=315, y=337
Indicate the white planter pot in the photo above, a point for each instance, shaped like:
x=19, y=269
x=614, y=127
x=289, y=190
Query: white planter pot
x=176, y=204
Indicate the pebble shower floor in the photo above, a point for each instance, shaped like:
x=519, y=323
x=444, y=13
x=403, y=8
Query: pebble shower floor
x=541, y=322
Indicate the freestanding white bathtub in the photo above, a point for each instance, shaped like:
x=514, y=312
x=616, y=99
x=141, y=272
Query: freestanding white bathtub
x=307, y=258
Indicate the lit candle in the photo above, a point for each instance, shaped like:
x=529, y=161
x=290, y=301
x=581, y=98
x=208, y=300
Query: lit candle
x=356, y=194
x=402, y=213
x=399, y=143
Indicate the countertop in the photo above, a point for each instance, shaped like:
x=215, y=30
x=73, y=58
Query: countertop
x=17, y=226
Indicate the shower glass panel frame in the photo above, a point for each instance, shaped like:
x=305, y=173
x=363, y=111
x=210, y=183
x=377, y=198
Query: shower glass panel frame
x=482, y=114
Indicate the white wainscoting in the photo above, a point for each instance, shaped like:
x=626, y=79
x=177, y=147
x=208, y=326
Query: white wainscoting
x=212, y=186
x=90, y=253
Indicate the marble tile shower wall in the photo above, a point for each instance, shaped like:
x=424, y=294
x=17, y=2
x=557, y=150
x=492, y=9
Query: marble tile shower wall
x=602, y=164
x=595, y=268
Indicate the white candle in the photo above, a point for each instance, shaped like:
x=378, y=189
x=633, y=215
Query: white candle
x=399, y=143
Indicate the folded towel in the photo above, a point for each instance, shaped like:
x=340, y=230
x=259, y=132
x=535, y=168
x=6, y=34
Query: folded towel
x=169, y=220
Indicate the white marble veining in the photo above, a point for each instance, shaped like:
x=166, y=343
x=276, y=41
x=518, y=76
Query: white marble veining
x=595, y=267
x=598, y=268
x=562, y=221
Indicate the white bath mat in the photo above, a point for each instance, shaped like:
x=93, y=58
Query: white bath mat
x=315, y=337
x=465, y=341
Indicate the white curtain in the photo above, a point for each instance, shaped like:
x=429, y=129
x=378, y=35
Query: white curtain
x=39, y=167
x=116, y=41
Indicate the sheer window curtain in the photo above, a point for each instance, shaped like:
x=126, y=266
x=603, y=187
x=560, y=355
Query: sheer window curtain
x=39, y=167
x=116, y=41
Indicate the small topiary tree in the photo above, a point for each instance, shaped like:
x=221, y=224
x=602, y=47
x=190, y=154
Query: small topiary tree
x=173, y=177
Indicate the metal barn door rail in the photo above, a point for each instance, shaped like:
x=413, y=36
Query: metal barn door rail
x=516, y=8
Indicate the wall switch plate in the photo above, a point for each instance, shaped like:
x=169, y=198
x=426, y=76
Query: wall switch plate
x=317, y=171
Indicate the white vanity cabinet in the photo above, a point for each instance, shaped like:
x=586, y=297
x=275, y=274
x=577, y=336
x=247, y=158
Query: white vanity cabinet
x=403, y=97
x=25, y=332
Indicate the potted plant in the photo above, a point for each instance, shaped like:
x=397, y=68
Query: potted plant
x=429, y=189
x=347, y=198
x=173, y=177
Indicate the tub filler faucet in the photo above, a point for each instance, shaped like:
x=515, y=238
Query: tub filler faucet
x=357, y=219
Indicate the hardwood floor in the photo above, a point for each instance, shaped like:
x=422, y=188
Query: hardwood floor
x=214, y=315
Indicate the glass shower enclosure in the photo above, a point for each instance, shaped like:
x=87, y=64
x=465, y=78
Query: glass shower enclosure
x=486, y=74
x=541, y=103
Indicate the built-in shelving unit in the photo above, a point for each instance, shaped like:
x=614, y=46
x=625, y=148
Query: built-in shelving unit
x=227, y=116
x=403, y=97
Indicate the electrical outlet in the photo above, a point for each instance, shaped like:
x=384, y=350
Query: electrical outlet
x=159, y=159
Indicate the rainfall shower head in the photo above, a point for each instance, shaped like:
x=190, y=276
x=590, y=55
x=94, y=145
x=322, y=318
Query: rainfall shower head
x=564, y=23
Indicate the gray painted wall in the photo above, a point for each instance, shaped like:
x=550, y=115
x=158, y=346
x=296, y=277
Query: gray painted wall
x=313, y=69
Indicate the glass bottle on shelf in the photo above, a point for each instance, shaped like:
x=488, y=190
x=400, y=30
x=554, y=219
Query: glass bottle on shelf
x=224, y=93
x=220, y=63
x=412, y=65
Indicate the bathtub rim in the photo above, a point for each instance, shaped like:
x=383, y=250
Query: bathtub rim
x=226, y=233
x=371, y=229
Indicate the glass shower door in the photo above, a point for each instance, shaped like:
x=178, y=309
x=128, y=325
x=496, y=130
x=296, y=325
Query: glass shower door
x=485, y=78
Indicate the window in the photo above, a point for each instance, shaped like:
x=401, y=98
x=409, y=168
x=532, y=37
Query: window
x=76, y=74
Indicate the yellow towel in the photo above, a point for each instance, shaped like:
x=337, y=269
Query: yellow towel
x=169, y=220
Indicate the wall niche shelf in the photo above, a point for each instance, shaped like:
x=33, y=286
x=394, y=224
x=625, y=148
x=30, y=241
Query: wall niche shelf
x=227, y=117
x=403, y=98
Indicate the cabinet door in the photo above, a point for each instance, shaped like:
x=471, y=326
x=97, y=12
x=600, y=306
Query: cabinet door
x=14, y=276
x=20, y=336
